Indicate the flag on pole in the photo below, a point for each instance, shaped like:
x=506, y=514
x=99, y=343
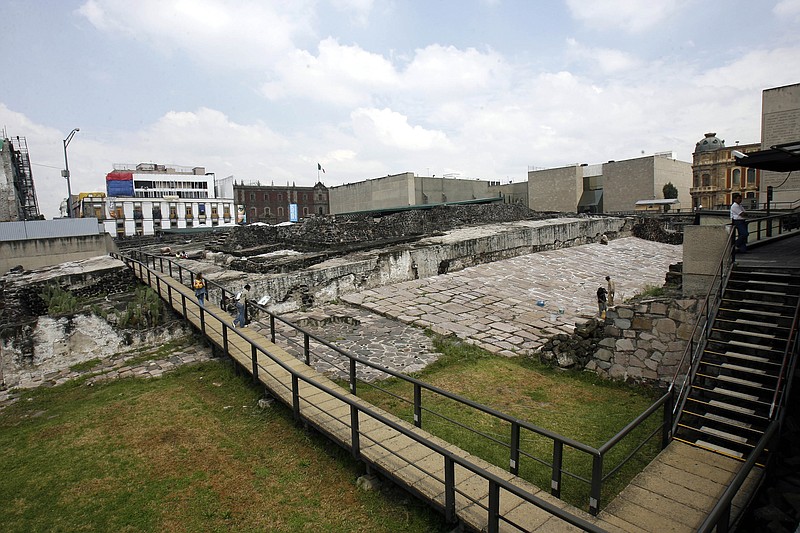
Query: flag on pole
x=319, y=167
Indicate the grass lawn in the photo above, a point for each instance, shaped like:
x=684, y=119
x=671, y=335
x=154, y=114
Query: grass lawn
x=579, y=406
x=190, y=451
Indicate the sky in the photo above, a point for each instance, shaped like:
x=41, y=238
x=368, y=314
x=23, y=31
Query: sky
x=477, y=89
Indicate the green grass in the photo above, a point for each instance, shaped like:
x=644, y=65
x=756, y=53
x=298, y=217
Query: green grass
x=580, y=406
x=186, y=452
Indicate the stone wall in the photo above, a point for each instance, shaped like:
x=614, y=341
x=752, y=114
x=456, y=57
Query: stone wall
x=645, y=341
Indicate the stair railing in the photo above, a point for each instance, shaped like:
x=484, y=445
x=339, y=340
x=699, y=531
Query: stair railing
x=787, y=366
x=699, y=336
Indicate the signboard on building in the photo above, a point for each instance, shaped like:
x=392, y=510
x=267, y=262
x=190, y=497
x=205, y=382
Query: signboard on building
x=293, y=213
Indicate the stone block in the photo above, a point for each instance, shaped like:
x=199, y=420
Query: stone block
x=624, y=345
x=634, y=372
x=612, y=331
x=608, y=343
x=685, y=331
x=658, y=308
x=617, y=372
x=622, y=323
x=642, y=323
x=652, y=365
x=604, y=355
x=628, y=334
x=624, y=312
x=603, y=365
x=665, y=325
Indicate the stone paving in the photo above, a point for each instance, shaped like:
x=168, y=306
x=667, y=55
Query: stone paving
x=508, y=307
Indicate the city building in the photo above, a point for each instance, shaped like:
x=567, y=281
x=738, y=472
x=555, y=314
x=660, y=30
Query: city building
x=716, y=175
x=17, y=193
x=780, y=127
x=273, y=204
x=148, y=198
x=404, y=190
x=612, y=187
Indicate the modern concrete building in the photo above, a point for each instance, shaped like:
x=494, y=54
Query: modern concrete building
x=612, y=187
x=780, y=125
x=273, y=204
x=403, y=190
x=147, y=198
x=716, y=175
x=17, y=193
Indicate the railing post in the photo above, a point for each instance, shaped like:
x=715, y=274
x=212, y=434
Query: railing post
x=353, y=376
x=149, y=282
x=558, y=462
x=180, y=273
x=597, y=484
x=169, y=295
x=272, y=328
x=296, y=397
x=170, y=267
x=225, y=339
x=666, y=432
x=494, y=507
x=306, y=349
x=158, y=286
x=161, y=264
x=513, y=461
x=354, y=437
x=183, y=306
x=417, y=405
x=449, y=489
x=254, y=359
x=202, y=320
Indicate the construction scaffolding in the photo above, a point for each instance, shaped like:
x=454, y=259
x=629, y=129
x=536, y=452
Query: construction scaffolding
x=28, y=206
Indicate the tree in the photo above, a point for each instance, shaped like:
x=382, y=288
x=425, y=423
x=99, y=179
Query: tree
x=670, y=191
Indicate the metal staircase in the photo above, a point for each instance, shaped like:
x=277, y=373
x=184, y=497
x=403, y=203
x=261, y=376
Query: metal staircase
x=739, y=376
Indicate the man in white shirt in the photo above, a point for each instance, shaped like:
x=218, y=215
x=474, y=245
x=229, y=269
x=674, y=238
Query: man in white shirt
x=739, y=219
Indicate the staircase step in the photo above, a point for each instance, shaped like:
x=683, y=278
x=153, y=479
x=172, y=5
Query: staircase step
x=720, y=449
x=731, y=407
x=745, y=322
x=736, y=381
x=752, y=312
x=734, y=394
x=743, y=356
x=745, y=369
x=752, y=346
x=728, y=421
x=723, y=434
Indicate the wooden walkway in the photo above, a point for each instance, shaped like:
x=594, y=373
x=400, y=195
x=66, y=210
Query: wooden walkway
x=674, y=493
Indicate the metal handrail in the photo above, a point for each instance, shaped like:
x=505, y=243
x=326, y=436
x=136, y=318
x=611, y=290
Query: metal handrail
x=789, y=356
x=451, y=459
x=517, y=425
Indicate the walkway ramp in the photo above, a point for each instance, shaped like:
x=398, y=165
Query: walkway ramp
x=674, y=493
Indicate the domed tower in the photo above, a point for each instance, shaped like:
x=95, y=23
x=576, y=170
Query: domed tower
x=715, y=175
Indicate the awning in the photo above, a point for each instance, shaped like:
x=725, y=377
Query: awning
x=779, y=158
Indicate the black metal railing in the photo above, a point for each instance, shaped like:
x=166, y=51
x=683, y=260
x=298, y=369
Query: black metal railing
x=512, y=442
x=261, y=373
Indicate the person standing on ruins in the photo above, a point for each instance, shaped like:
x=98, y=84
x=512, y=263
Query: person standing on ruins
x=601, y=302
x=241, y=307
x=612, y=289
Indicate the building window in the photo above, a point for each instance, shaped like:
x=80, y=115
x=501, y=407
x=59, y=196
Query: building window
x=751, y=176
x=252, y=197
x=280, y=211
x=320, y=211
x=280, y=197
x=737, y=177
x=706, y=180
x=266, y=212
x=305, y=197
x=696, y=180
x=305, y=211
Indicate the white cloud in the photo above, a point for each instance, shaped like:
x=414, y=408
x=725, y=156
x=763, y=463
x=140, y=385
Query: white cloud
x=787, y=8
x=628, y=15
x=602, y=60
x=392, y=130
x=237, y=34
x=343, y=75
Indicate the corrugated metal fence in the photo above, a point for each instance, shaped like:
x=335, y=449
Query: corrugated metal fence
x=48, y=229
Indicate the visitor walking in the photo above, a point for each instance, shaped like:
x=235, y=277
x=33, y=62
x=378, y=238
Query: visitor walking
x=200, y=289
x=612, y=289
x=601, y=302
x=241, y=307
x=739, y=219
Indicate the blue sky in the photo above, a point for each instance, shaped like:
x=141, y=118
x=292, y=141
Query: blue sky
x=479, y=89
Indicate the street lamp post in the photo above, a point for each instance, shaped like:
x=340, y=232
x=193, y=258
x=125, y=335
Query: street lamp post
x=65, y=172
